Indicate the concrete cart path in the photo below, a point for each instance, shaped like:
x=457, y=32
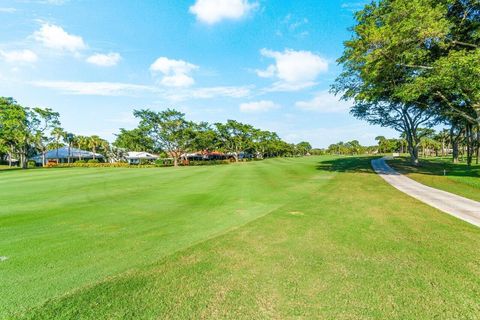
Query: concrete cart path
x=460, y=207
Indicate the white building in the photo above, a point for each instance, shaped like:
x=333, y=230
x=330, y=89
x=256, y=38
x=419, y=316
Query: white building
x=134, y=157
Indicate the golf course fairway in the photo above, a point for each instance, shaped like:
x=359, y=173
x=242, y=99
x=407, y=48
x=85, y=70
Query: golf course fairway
x=311, y=237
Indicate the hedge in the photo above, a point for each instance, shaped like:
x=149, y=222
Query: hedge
x=83, y=164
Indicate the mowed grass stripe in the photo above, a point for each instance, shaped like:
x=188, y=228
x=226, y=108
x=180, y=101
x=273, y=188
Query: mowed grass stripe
x=352, y=248
x=69, y=232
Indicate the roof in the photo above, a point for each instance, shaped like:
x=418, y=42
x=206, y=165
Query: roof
x=140, y=155
x=63, y=154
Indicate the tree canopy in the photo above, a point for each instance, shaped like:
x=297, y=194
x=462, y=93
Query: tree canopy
x=414, y=63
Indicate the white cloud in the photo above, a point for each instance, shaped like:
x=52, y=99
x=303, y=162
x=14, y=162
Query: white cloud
x=7, y=10
x=287, y=86
x=177, y=80
x=213, y=11
x=96, y=88
x=169, y=66
x=258, y=106
x=294, y=70
x=54, y=37
x=267, y=73
x=129, y=89
x=324, y=102
x=176, y=73
x=210, y=93
x=105, y=60
x=20, y=56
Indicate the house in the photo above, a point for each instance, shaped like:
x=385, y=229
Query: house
x=204, y=155
x=134, y=157
x=65, y=155
x=10, y=160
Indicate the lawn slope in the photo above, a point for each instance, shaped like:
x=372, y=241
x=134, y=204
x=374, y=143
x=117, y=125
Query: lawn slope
x=339, y=244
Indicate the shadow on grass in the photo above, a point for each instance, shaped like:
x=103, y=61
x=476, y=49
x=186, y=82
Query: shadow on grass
x=7, y=169
x=348, y=164
x=437, y=167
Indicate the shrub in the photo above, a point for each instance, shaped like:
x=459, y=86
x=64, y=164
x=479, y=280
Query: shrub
x=163, y=163
x=84, y=164
x=93, y=161
x=208, y=162
x=146, y=162
x=80, y=161
x=31, y=164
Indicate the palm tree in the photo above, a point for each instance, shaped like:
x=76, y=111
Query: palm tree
x=58, y=133
x=69, y=139
x=82, y=143
x=443, y=137
x=94, y=142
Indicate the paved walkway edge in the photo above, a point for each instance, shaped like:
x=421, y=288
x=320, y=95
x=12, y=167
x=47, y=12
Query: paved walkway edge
x=457, y=206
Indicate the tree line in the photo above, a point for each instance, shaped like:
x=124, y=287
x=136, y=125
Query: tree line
x=415, y=64
x=27, y=132
x=432, y=144
x=170, y=132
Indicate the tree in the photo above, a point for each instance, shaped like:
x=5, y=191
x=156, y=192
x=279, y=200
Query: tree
x=168, y=130
x=354, y=147
x=82, y=143
x=303, y=148
x=235, y=137
x=95, y=143
x=391, y=41
x=58, y=134
x=423, y=53
x=41, y=124
x=134, y=140
x=69, y=139
x=205, y=138
x=13, y=128
x=443, y=137
x=266, y=143
x=23, y=129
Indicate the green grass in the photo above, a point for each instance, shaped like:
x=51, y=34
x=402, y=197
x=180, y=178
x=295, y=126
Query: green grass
x=5, y=167
x=284, y=238
x=458, y=178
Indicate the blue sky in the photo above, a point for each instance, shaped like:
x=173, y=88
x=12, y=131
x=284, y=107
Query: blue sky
x=265, y=62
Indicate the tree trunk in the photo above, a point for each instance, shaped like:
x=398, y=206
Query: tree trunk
x=454, y=140
x=10, y=155
x=175, y=161
x=455, y=151
x=412, y=147
x=414, y=155
x=470, y=142
x=23, y=158
x=478, y=144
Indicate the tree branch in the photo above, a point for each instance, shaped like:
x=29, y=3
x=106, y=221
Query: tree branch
x=465, y=44
x=462, y=113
